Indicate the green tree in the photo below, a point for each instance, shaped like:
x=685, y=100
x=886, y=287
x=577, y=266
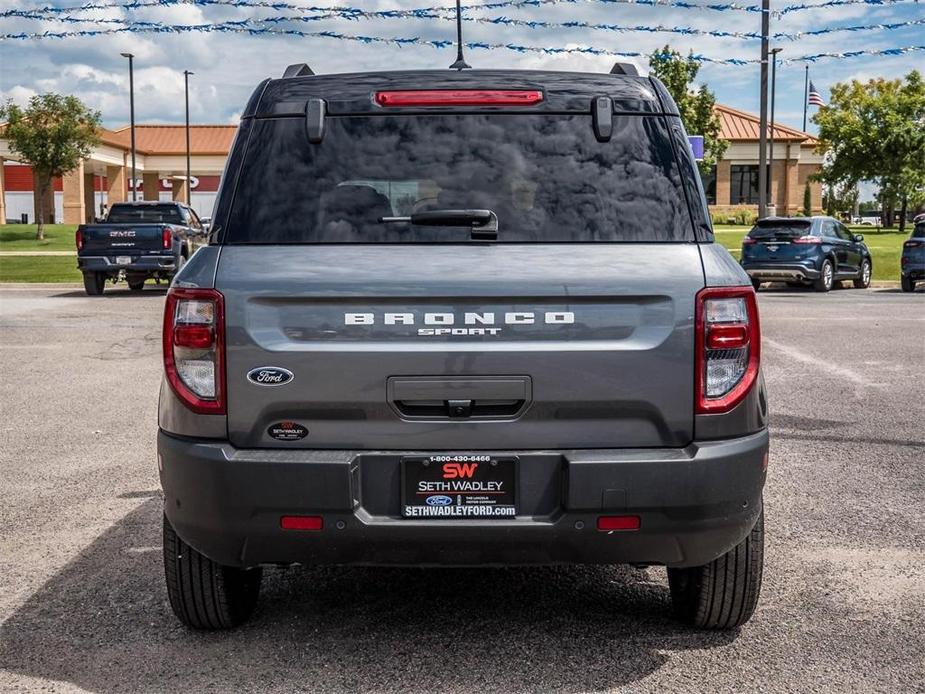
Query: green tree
x=876, y=131
x=695, y=104
x=53, y=134
x=807, y=201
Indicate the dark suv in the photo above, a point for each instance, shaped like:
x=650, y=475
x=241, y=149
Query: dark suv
x=462, y=318
x=912, y=263
x=805, y=250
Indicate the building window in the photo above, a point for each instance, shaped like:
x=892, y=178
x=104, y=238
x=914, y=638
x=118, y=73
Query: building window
x=743, y=186
x=709, y=185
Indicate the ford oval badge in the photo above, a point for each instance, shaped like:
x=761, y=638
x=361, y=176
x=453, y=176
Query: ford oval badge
x=269, y=376
x=439, y=500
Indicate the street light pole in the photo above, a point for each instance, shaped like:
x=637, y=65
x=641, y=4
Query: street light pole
x=763, y=124
x=189, y=180
x=774, y=53
x=131, y=101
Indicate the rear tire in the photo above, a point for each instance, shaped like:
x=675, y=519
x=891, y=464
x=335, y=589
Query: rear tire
x=826, y=277
x=203, y=594
x=94, y=283
x=908, y=284
x=136, y=285
x=863, y=280
x=724, y=593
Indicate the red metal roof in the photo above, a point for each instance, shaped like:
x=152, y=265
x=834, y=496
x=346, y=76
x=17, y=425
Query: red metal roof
x=738, y=126
x=171, y=139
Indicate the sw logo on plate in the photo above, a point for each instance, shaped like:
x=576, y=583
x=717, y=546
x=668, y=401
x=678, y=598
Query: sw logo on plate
x=269, y=376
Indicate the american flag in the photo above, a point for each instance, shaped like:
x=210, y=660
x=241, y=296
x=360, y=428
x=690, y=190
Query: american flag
x=814, y=98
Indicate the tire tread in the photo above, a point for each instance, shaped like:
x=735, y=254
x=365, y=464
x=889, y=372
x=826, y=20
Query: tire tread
x=205, y=595
x=722, y=594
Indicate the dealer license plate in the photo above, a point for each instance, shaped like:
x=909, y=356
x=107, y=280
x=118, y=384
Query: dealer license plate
x=123, y=260
x=459, y=486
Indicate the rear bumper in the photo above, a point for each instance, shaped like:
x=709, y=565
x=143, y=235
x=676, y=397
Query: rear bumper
x=694, y=503
x=140, y=263
x=781, y=271
x=915, y=271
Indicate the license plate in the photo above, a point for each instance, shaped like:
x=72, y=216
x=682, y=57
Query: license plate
x=124, y=260
x=459, y=486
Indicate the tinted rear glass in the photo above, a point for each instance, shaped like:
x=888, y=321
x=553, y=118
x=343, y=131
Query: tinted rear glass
x=919, y=231
x=154, y=214
x=781, y=229
x=546, y=177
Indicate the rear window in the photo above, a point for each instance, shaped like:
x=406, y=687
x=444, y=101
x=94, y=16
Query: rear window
x=154, y=214
x=781, y=229
x=919, y=231
x=546, y=177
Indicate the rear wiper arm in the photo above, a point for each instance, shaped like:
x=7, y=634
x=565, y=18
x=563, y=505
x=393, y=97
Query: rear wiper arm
x=482, y=223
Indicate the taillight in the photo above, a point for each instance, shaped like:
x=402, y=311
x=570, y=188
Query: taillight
x=194, y=348
x=748, y=241
x=79, y=239
x=728, y=344
x=913, y=244
x=460, y=97
x=166, y=238
x=807, y=239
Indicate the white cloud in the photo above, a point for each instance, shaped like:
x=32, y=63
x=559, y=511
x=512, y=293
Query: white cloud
x=19, y=95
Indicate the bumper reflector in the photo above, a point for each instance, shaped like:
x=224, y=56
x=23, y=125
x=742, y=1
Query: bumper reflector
x=608, y=523
x=301, y=522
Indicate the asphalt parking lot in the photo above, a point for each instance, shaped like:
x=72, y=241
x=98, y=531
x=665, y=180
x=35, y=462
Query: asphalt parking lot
x=83, y=604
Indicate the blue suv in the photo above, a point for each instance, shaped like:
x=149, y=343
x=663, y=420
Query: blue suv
x=805, y=250
x=912, y=267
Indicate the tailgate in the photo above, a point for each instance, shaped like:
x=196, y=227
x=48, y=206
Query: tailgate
x=105, y=238
x=542, y=346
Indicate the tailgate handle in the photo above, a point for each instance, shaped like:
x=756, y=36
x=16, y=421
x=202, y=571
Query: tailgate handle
x=490, y=397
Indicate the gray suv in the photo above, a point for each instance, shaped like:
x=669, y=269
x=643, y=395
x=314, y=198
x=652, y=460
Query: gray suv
x=462, y=318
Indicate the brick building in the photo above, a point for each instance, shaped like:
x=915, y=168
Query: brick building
x=104, y=178
x=733, y=184
x=161, y=171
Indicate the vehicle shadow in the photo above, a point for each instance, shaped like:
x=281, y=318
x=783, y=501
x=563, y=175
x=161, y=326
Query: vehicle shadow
x=121, y=292
x=103, y=623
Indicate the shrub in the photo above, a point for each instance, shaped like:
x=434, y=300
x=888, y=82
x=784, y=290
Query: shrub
x=745, y=217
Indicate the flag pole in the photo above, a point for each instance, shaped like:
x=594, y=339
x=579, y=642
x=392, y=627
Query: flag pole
x=805, y=96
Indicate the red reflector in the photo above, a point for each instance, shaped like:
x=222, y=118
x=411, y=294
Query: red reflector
x=193, y=336
x=618, y=523
x=460, y=97
x=732, y=336
x=301, y=522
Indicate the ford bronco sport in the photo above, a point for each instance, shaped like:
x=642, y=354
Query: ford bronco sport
x=462, y=318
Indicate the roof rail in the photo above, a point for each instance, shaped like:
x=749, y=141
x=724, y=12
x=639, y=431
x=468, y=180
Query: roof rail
x=624, y=69
x=298, y=70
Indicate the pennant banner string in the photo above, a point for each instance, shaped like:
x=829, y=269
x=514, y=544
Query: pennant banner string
x=508, y=21
x=498, y=4
x=245, y=27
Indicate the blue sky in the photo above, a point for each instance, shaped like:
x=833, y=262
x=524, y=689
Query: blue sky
x=228, y=66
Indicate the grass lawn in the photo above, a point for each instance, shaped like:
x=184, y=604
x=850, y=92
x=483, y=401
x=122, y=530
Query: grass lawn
x=34, y=268
x=21, y=237
x=886, y=246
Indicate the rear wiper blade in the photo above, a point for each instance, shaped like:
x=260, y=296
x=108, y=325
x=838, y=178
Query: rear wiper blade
x=482, y=223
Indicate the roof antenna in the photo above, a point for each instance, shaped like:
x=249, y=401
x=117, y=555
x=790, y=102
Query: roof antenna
x=460, y=63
